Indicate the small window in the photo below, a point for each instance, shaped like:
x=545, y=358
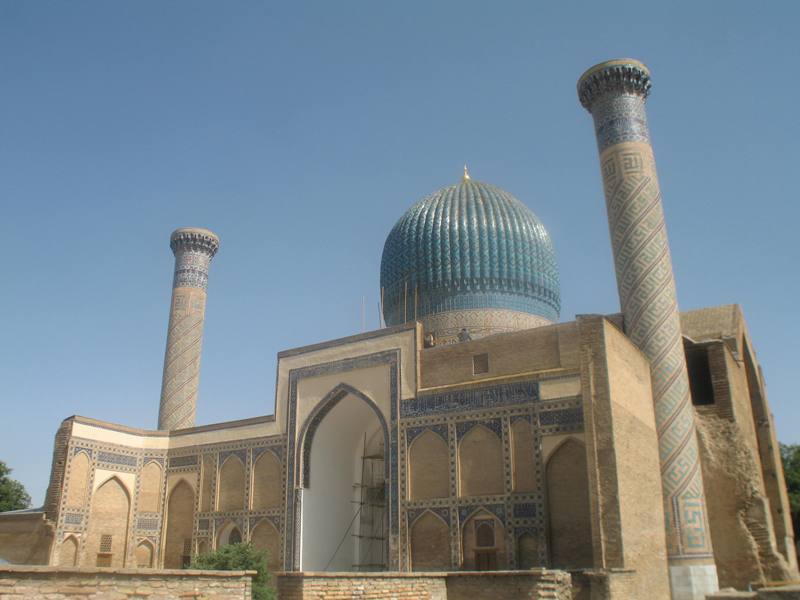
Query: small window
x=699, y=370
x=186, y=557
x=105, y=543
x=480, y=364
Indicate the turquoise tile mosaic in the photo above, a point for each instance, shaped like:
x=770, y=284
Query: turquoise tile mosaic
x=469, y=246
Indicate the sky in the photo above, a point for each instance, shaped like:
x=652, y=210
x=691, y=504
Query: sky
x=301, y=131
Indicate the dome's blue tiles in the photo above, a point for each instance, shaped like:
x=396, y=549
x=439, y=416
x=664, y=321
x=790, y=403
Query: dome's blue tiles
x=470, y=245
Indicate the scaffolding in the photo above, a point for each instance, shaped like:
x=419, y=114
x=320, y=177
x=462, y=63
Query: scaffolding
x=371, y=533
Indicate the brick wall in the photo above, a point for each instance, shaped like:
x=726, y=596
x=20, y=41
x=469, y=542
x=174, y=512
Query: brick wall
x=495, y=585
x=509, y=585
x=54, y=583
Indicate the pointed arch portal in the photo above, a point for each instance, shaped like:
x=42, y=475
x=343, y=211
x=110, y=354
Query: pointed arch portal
x=344, y=519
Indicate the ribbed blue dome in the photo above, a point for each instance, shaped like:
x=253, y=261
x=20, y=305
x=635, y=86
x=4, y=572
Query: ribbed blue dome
x=468, y=246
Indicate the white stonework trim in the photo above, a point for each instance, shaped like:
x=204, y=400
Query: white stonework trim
x=693, y=582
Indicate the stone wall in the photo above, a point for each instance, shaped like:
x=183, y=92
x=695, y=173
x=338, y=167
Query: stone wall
x=57, y=583
x=464, y=585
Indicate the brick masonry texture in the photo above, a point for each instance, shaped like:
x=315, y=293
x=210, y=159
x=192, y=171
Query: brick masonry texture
x=194, y=249
x=53, y=583
x=498, y=585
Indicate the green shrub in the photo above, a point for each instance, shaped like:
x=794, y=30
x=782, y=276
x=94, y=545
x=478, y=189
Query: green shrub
x=239, y=557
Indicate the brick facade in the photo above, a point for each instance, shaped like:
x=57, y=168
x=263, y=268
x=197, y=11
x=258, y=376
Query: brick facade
x=60, y=583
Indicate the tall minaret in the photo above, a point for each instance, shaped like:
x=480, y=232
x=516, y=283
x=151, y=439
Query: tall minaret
x=193, y=248
x=614, y=92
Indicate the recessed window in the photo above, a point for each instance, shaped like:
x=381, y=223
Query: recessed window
x=699, y=375
x=484, y=534
x=104, y=556
x=480, y=364
x=186, y=556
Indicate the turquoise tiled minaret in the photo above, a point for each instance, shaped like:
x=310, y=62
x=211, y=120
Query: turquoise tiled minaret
x=614, y=92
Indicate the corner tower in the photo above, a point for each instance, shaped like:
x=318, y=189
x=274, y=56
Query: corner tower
x=193, y=248
x=467, y=261
x=614, y=92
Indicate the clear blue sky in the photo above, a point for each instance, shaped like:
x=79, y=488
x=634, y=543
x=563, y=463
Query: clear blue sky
x=300, y=131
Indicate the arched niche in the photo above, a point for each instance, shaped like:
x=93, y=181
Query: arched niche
x=79, y=469
x=267, y=482
x=144, y=554
x=231, y=484
x=229, y=534
x=483, y=542
x=266, y=537
x=179, y=526
x=430, y=543
x=480, y=463
x=68, y=552
x=339, y=476
x=570, y=533
x=522, y=456
x=107, y=536
x=428, y=467
x=150, y=487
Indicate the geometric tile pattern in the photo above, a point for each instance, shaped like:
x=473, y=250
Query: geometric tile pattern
x=468, y=246
x=496, y=407
x=615, y=95
x=471, y=399
x=193, y=249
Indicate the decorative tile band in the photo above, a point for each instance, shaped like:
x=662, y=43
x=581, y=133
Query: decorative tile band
x=183, y=461
x=567, y=416
x=73, y=518
x=525, y=510
x=471, y=399
x=147, y=523
x=117, y=459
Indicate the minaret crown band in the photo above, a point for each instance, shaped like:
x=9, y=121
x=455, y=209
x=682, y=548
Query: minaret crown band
x=622, y=76
x=194, y=239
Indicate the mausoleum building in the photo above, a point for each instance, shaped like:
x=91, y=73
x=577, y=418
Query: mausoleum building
x=476, y=431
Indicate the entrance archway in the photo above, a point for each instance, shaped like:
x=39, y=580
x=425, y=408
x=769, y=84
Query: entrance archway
x=344, y=515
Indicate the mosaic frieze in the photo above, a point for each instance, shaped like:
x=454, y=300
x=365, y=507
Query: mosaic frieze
x=471, y=399
x=148, y=523
x=565, y=416
x=73, y=519
x=524, y=510
x=117, y=459
x=183, y=461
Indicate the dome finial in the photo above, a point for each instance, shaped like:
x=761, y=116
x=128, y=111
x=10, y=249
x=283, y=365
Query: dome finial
x=466, y=174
